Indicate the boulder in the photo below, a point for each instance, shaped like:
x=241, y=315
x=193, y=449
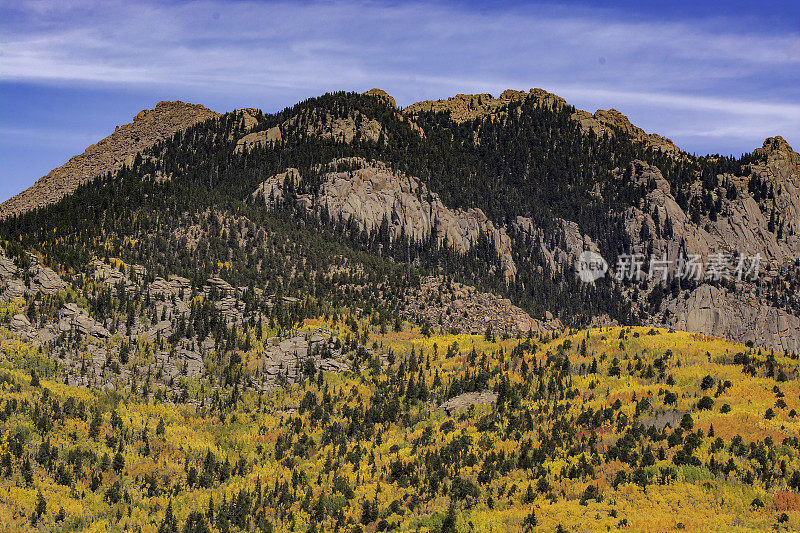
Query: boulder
x=14, y=289
x=19, y=323
x=48, y=282
x=222, y=287
x=76, y=319
x=463, y=401
x=8, y=269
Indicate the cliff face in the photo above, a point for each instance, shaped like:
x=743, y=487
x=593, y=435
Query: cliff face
x=716, y=311
x=108, y=155
x=374, y=193
x=746, y=225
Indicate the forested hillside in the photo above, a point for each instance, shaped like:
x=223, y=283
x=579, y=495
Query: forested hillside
x=347, y=316
x=540, y=185
x=619, y=428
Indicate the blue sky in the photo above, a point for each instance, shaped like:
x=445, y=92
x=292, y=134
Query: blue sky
x=713, y=76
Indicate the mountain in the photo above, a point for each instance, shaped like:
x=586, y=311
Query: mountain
x=515, y=187
x=348, y=316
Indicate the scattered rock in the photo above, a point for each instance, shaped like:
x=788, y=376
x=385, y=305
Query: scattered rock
x=287, y=357
x=463, y=401
x=462, y=308
x=47, y=281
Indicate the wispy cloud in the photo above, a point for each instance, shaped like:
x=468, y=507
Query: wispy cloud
x=743, y=79
x=49, y=137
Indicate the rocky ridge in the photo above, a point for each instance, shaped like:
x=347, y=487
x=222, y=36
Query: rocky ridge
x=466, y=107
x=372, y=194
x=108, y=155
x=742, y=228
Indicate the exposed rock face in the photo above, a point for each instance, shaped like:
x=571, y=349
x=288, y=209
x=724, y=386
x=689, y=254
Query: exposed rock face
x=19, y=323
x=743, y=224
x=113, y=277
x=604, y=121
x=713, y=311
x=465, y=309
x=465, y=107
x=258, y=139
x=292, y=357
x=272, y=189
x=374, y=193
x=340, y=129
x=220, y=286
x=563, y=256
x=13, y=288
x=108, y=155
x=250, y=117
x=742, y=227
x=463, y=401
x=7, y=267
x=73, y=318
x=312, y=122
x=782, y=169
x=42, y=279
x=47, y=281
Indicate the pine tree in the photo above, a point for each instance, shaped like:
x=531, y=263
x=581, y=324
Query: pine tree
x=168, y=524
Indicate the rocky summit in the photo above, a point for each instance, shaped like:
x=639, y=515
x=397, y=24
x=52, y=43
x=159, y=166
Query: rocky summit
x=108, y=155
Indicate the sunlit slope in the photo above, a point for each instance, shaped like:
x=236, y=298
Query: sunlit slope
x=589, y=431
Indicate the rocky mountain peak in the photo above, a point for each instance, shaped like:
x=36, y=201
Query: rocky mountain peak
x=383, y=95
x=782, y=163
x=776, y=144
x=464, y=107
x=605, y=121
x=148, y=127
